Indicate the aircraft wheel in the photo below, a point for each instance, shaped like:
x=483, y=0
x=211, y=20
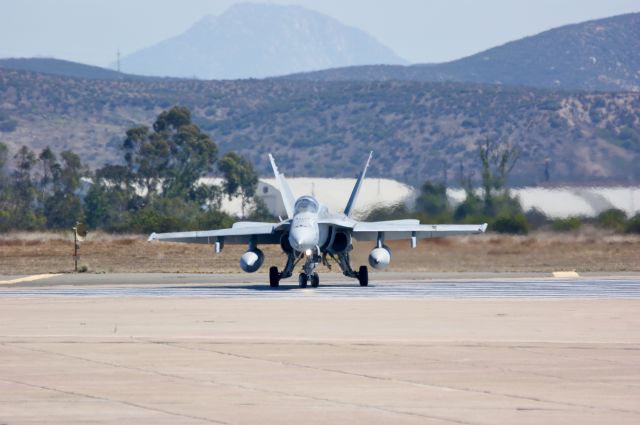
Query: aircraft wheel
x=302, y=280
x=315, y=280
x=363, y=276
x=274, y=277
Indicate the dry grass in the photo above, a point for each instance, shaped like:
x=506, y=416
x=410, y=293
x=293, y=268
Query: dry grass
x=589, y=251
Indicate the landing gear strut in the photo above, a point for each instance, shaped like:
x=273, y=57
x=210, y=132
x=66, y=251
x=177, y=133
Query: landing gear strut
x=345, y=265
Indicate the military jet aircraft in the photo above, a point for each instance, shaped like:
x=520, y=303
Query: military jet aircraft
x=311, y=233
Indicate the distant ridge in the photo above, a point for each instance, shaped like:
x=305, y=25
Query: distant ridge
x=421, y=130
x=603, y=54
x=259, y=40
x=65, y=68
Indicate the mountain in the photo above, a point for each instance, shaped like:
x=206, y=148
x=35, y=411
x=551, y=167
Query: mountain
x=598, y=55
x=259, y=40
x=418, y=130
x=64, y=68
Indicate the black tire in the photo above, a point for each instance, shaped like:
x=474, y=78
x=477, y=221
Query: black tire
x=315, y=280
x=302, y=280
x=274, y=277
x=363, y=276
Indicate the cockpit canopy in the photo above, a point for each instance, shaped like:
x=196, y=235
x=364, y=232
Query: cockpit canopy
x=306, y=204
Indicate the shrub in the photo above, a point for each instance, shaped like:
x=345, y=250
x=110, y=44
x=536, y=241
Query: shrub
x=568, y=224
x=613, y=218
x=536, y=218
x=513, y=224
x=633, y=225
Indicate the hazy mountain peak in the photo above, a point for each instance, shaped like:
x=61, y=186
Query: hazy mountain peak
x=252, y=40
x=601, y=54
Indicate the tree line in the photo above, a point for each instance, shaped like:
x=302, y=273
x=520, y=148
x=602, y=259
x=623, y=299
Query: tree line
x=156, y=187
x=494, y=203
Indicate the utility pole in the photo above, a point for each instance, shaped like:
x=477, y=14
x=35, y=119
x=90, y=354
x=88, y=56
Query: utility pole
x=118, y=61
x=79, y=233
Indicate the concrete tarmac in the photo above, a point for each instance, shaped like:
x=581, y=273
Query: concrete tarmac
x=175, y=349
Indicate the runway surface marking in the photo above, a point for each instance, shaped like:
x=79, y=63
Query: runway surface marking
x=583, y=288
x=27, y=279
x=568, y=274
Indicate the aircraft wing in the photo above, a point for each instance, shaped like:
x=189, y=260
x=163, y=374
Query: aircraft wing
x=240, y=233
x=406, y=229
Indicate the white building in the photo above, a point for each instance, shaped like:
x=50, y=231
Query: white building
x=334, y=193
x=558, y=202
x=562, y=202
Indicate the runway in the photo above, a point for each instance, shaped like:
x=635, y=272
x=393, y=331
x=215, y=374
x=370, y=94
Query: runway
x=583, y=288
x=409, y=349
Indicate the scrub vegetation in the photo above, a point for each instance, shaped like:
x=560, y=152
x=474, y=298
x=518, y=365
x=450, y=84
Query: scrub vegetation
x=154, y=188
x=419, y=131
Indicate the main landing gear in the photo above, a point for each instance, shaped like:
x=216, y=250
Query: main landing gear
x=309, y=276
x=363, y=276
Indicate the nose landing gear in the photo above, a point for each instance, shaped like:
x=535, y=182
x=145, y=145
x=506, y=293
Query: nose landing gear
x=314, y=280
x=302, y=280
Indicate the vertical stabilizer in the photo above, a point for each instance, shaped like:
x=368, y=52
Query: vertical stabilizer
x=356, y=189
x=285, y=191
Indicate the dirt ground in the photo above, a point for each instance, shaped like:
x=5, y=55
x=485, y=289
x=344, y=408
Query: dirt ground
x=589, y=251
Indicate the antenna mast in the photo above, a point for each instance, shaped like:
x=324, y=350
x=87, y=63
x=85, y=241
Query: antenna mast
x=118, y=60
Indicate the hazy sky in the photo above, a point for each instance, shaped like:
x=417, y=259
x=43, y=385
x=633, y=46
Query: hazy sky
x=91, y=31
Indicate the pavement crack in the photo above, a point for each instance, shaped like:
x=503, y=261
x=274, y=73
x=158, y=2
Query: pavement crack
x=233, y=385
x=407, y=381
x=69, y=356
x=112, y=400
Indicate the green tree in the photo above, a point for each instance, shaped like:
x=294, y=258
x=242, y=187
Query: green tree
x=62, y=210
x=512, y=223
x=433, y=201
x=21, y=204
x=613, y=218
x=568, y=224
x=5, y=190
x=471, y=210
x=111, y=199
x=50, y=172
x=497, y=162
x=176, y=214
x=63, y=207
x=388, y=212
x=633, y=225
x=240, y=177
x=172, y=157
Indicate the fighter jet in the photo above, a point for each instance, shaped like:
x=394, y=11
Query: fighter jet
x=312, y=235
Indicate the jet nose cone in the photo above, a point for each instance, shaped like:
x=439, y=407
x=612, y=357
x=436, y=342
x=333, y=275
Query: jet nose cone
x=302, y=239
